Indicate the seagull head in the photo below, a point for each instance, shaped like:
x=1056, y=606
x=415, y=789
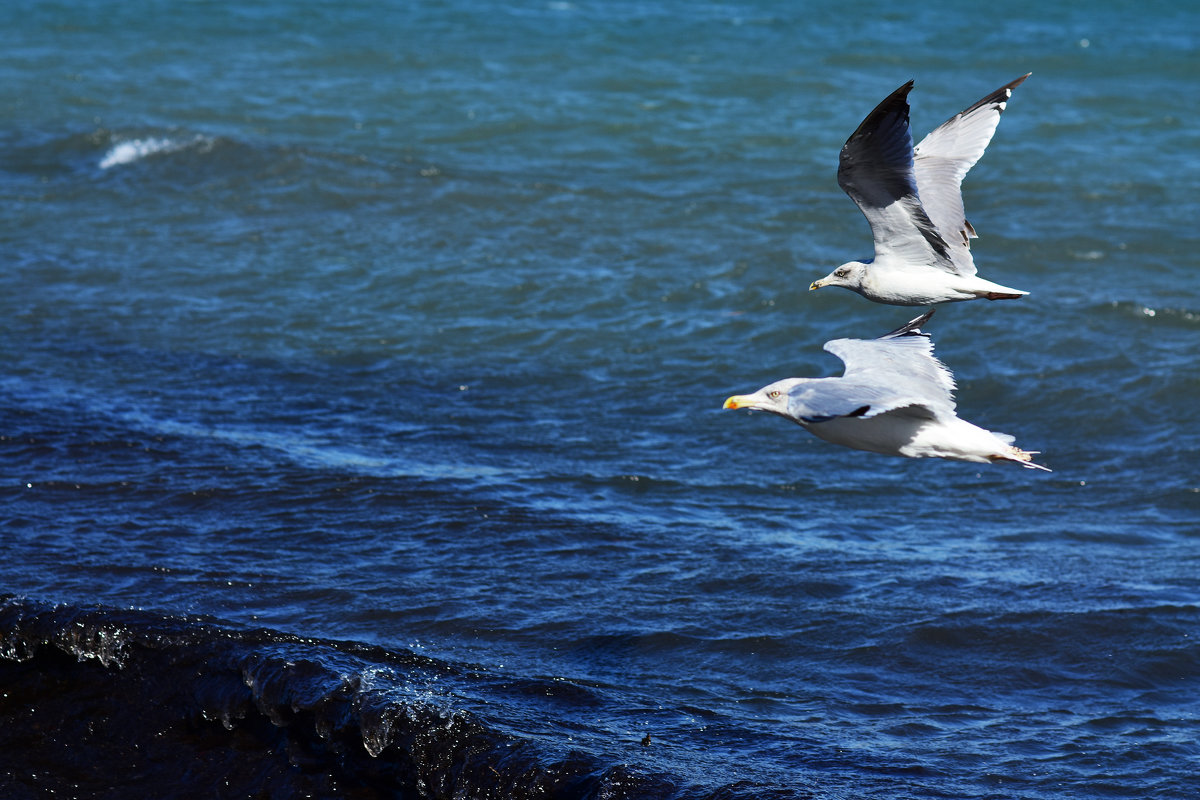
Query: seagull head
x=772, y=397
x=849, y=276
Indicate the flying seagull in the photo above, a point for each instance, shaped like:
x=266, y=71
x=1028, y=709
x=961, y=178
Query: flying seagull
x=894, y=398
x=913, y=200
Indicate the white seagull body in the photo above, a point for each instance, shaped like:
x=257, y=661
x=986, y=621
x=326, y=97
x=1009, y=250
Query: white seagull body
x=912, y=197
x=895, y=398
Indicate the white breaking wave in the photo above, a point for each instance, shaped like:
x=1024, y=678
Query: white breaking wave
x=135, y=149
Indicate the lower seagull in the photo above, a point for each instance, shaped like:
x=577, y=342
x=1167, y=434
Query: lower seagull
x=895, y=398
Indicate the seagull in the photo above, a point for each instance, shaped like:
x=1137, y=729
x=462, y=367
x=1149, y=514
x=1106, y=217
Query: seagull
x=913, y=200
x=895, y=398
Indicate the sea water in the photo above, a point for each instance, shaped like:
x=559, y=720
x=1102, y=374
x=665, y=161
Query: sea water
x=361, y=422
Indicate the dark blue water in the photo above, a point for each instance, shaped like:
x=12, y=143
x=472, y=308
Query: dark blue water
x=360, y=422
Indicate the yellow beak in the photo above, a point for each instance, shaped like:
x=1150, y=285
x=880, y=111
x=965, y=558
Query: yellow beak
x=737, y=401
x=812, y=287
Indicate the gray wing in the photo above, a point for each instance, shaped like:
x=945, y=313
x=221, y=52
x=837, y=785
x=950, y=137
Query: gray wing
x=895, y=371
x=942, y=160
x=823, y=399
x=875, y=169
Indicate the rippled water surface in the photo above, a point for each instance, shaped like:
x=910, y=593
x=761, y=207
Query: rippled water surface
x=409, y=325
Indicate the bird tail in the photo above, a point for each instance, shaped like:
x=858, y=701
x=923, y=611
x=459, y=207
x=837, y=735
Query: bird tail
x=1022, y=457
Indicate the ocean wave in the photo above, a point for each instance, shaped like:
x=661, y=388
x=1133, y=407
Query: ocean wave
x=131, y=150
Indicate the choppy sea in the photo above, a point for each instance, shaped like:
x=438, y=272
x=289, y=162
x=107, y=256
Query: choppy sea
x=360, y=411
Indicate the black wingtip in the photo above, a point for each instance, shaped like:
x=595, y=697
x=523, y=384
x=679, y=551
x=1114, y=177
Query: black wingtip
x=1001, y=95
x=875, y=164
x=911, y=328
x=895, y=103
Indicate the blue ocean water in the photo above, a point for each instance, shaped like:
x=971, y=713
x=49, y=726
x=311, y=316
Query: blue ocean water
x=402, y=331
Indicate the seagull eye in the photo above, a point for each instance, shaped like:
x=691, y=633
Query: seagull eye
x=774, y=395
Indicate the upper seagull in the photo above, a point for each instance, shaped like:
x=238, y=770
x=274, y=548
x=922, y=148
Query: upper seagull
x=894, y=398
x=913, y=200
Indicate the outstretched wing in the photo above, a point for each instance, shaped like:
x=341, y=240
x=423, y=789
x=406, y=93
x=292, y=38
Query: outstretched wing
x=896, y=370
x=942, y=160
x=823, y=399
x=876, y=169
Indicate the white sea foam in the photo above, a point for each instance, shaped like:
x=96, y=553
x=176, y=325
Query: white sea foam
x=134, y=149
